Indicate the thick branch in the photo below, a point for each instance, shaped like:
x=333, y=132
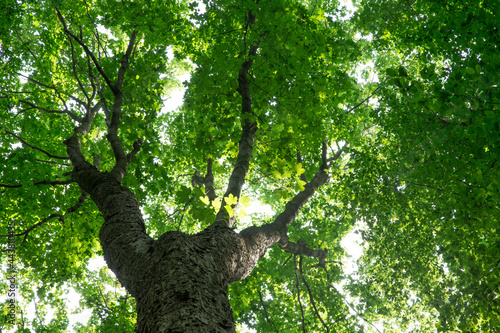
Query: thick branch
x=122, y=162
x=258, y=239
x=209, y=182
x=292, y=208
x=301, y=248
x=136, y=147
x=123, y=234
x=242, y=165
x=125, y=60
x=73, y=146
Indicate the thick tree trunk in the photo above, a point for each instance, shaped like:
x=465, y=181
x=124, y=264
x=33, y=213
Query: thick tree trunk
x=185, y=289
x=182, y=286
x=179, y=281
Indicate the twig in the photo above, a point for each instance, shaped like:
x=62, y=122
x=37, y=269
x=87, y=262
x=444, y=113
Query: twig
x=357, y=313
x=87, y=51
x=75, y=74
x=69, y=113
x=363, y=101
x=81, y=200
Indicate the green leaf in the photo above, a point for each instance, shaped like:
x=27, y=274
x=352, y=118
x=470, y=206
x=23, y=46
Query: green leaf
x=299, y=185
x=231, y=200
x=299, y=169
x=205, y=200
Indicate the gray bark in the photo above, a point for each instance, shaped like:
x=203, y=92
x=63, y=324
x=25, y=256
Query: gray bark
x=179, y=281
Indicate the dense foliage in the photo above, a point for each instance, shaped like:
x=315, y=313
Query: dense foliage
x=405, y=95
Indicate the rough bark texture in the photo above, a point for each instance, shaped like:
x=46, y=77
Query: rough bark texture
x=185, y=285
x=179, y=281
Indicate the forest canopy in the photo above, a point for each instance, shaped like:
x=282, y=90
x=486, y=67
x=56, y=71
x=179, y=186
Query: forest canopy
x=382, y=121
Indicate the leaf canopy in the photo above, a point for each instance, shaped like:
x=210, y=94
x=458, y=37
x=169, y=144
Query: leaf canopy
x=417, y=172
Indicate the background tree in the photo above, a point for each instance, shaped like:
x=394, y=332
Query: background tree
x=273, y=113
x=432, y=169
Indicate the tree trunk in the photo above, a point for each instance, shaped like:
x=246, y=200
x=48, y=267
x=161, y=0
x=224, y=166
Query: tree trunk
x=185, y=287
x=179, y=281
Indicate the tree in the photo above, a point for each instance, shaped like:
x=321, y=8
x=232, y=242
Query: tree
x=434, y=225
x=272, y=112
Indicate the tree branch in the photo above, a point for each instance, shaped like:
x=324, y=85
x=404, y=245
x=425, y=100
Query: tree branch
x=63, y=101
x=75, y=74
x=301, y=248
x=122, y=162
x=69, y=113
x=73, y=146
x=242, y=165
x=136, y=147
x=87, y=51
x=43, y=182
x=366, y=99
x=207, y=181
x=265, y=312
x=292, y=208
x=311, y=298
x=81, y=200
x=298, y=293
x=258, y=239
x=303, y=176
x=33, y=147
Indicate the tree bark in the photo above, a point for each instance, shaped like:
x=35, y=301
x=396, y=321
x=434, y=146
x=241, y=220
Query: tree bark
x=179, y=281
x=185, y=287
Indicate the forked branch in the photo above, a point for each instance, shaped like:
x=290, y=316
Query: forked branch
x=260, y=238
x=87, y=51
